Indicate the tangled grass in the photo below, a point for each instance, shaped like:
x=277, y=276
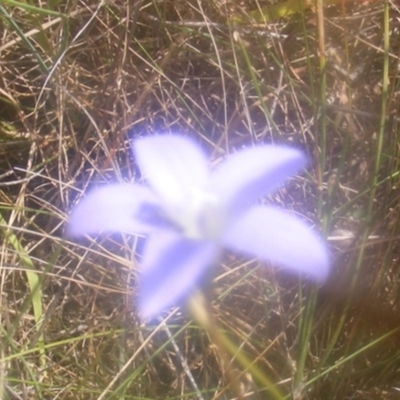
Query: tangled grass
x=80, y=79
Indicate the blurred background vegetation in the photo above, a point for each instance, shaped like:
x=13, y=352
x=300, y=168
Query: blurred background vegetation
x=80, y=79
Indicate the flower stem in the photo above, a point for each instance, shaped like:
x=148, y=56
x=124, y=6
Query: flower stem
x=201, y=312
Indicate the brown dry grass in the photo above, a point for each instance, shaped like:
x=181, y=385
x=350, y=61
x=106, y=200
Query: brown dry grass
x=136, y=68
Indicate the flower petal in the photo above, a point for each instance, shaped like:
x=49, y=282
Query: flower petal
x=172, y=265
x=114, y=208
x=251, y=173
x=274, y=235
x=175, y=167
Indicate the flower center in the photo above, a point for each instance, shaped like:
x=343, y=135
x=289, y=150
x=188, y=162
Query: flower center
x=201, y=217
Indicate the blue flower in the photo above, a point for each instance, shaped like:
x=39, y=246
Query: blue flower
x=189, y=213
